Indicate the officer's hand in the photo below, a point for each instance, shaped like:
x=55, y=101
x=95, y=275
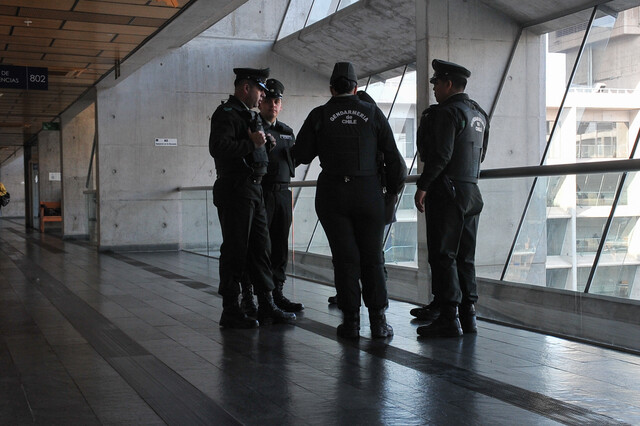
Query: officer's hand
x=257, y=138
x=271, y=140
x=419, y=199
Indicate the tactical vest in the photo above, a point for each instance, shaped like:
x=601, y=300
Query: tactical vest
x=280, y=169
x=347, y=144
x=258, y=159
x=467, y=152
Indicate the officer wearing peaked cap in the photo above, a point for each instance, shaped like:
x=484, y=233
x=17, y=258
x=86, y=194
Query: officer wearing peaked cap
x=237, y=143
x=443, y=69
x=346, y=134
x=257, y=76
x=277, y=197
x=452, y=142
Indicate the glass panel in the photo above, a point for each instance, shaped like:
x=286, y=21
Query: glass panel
x=345, y=3
x=194, y=222
x=319, y=242
x=598, y=122
x=213, y=229
x=304, y=219
x=528, y=260
x=321, y=9
x=401, y=246
x=597, y=106
x=295, y=18
x=618, y=273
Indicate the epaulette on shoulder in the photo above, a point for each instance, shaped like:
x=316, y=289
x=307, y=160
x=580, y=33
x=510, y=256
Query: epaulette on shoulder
x=429, y=109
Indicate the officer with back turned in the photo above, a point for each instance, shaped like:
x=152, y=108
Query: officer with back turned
x=277, y=198
x=347, y=134
x=238, y=145
x=452, y=142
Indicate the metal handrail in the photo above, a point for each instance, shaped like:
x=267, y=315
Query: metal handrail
x=613, y=166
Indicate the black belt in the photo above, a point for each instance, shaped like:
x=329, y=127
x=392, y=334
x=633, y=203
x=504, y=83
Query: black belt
x=275, y=186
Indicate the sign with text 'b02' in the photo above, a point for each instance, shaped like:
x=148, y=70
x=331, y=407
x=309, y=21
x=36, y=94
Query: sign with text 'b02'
x=24, y=78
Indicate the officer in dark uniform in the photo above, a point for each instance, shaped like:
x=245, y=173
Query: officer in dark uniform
x=346, y=134
x=452, y=142
x=277, y=198
x=238, y=145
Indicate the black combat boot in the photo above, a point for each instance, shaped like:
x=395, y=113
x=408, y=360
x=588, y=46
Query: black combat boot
x=247, y=303
x=427, y=313
x=379, y=326
x=350, y=327
x=269, y=313
x=233, y=317
x=282, y=302
x=446, y=325
x=468, y=318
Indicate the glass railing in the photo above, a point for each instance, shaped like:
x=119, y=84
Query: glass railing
x=558, y=249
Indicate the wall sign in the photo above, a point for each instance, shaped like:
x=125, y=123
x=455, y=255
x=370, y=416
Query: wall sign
x=166, y=142
x=24, y=78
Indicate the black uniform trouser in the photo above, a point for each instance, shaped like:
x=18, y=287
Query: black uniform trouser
x=277, y=199
x=245, y=236
x=452, y=225
x=351, y=211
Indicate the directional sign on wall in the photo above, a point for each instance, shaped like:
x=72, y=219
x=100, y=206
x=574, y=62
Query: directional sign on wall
x=25, y=78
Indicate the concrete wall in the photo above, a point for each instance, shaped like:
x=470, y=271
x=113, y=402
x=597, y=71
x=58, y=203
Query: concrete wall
x=174, y=96
x=49, y=161
x=77, y=140
x=12, y=176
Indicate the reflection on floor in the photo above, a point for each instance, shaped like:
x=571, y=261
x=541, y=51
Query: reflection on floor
x=133, y=338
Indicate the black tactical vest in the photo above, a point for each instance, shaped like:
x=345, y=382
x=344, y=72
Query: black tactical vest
x=467, y=152
x=347, y=144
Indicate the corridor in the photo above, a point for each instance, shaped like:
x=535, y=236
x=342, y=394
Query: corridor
x=133, y=339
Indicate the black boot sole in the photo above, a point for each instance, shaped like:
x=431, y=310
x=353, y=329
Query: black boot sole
x=238, y=324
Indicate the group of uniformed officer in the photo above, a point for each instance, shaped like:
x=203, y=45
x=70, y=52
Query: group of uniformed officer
x=255, y=155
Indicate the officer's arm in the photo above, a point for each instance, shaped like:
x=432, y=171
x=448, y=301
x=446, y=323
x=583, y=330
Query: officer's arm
x=438, y=146
x=306, y=144
x=395, y=166
x=223, y=142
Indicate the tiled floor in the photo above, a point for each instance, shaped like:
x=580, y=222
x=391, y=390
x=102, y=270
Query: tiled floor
x=133, y=339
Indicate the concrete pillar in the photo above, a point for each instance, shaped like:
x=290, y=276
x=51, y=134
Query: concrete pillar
x=481, y=39
x=77, y=140
x=49, y=166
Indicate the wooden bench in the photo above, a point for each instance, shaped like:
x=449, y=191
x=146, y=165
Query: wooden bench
x=43, y=218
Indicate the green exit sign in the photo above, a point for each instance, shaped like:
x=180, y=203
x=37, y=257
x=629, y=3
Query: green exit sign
x=50, y=126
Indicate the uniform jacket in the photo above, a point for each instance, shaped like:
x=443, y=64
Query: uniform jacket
x=438, y=133
x=229, y=142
